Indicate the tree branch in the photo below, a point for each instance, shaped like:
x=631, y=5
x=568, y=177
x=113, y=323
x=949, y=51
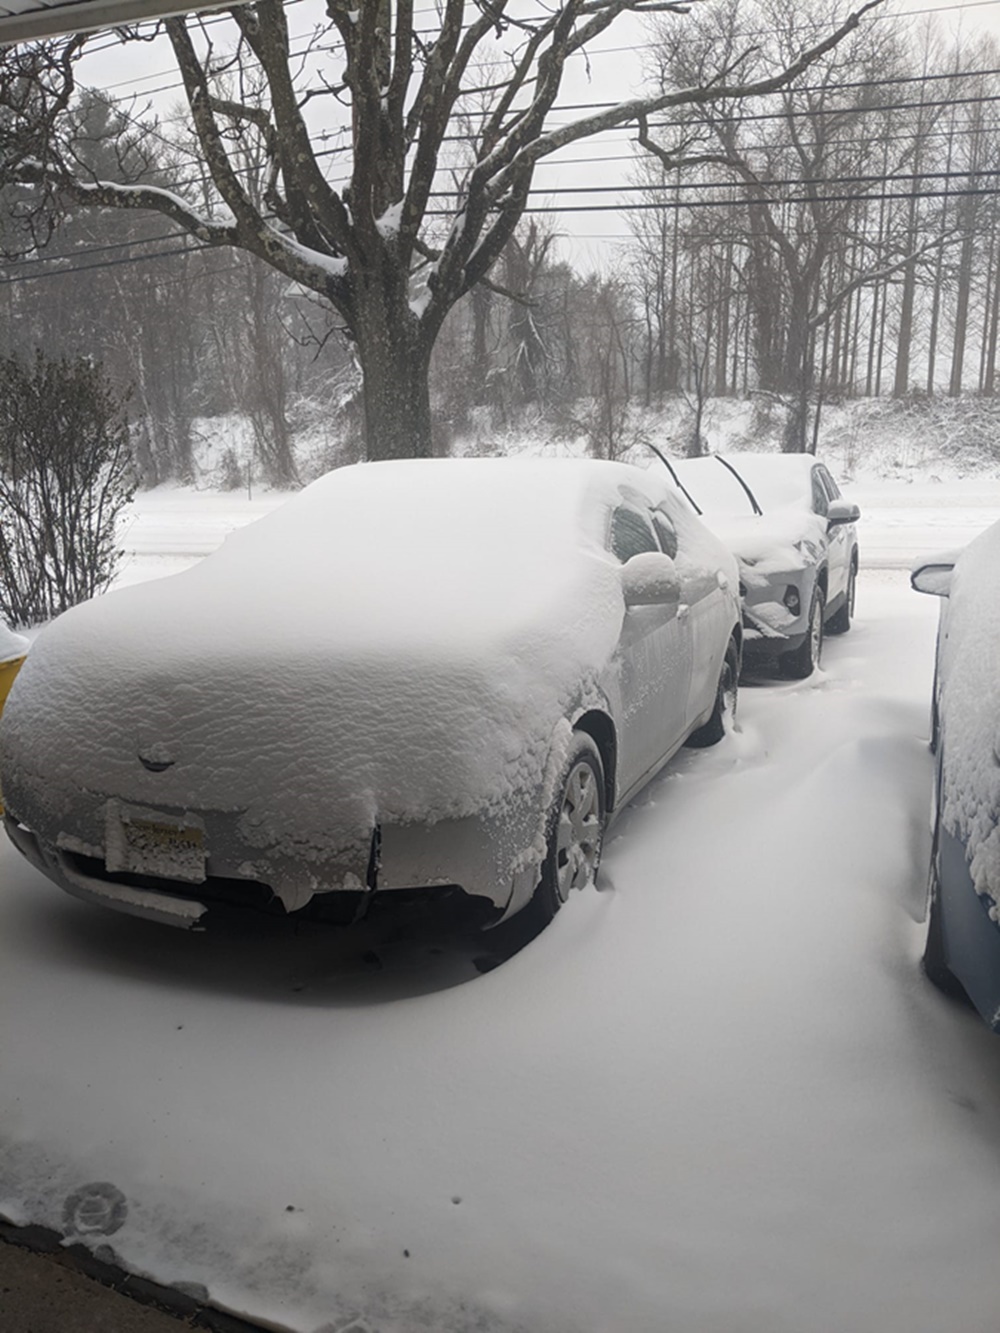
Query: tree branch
x=878, y=275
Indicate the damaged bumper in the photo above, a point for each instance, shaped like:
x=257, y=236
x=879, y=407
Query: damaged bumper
x=178, y=869
x=775, y=621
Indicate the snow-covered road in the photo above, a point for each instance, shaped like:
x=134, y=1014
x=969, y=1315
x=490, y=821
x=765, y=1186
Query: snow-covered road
x=717, y=1097
x=170, y=527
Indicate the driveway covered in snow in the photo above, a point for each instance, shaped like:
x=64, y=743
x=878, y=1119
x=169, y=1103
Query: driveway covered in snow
x=716, y=1097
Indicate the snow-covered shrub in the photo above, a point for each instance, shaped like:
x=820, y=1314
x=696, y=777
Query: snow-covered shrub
x=65, y=475
x=913, y=436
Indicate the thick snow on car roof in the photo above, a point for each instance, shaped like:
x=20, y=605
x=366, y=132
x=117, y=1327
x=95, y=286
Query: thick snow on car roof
x=400, y=637
x=970, y=708
x=468, y=527
x=712, y=487
x=776, y=479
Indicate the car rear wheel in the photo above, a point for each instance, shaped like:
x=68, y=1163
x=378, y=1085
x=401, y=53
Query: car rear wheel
x=933, y=962
x=575, y=828
x=724, y=715
x=840, y=621
x=806, y=658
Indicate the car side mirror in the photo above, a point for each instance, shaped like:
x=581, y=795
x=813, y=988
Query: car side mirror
x=933, y=578
x=650, y=579
x=841, y=511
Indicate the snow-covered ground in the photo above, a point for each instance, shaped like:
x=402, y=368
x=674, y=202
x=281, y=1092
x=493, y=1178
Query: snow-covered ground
x=716, y=1097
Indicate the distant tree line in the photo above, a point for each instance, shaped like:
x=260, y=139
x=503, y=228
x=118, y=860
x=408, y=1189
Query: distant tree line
x=837, y=239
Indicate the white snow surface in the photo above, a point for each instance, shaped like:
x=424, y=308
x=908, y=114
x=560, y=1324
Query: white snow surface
x=12, y=646
x=716, y=1097
x=970, y=704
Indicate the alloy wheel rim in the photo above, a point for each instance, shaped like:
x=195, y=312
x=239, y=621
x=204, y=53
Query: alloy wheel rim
x=578, y=833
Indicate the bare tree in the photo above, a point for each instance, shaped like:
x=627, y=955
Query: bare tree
x=374, y=249
x=797, y=228
x=65, y=476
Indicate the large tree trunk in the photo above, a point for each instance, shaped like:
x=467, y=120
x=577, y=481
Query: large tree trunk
x=396, y=397
x=962, y=309
x=901, y=381
x=795, y=437
x=394, y=349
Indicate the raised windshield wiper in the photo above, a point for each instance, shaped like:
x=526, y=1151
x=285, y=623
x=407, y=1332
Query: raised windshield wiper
x=750, y=495
x=677, y=481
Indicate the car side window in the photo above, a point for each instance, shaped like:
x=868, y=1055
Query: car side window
x=631, y=533
x=666, y=532
x=820, y=499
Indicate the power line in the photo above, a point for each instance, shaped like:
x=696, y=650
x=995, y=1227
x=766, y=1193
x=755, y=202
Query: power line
x=594, y=51
x=672, y=205
x=543, y=210
x=96, y=249
x=790, y=182
x=738, y=187
x=104, y=263
x=783, y=116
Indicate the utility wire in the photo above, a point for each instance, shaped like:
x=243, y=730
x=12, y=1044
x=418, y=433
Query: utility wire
x=608, y=50
x=545, y=210
x=737, y=187
x=832, y=88
x=560, y=191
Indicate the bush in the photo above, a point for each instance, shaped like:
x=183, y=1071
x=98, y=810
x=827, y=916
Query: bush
x=65, y=475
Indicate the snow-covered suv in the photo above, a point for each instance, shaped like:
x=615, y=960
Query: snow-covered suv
x=783, y=517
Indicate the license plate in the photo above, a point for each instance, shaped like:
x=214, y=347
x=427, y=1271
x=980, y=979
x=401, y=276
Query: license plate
x=147, y=842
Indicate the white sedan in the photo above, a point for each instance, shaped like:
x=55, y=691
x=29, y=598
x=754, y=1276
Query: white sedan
x=431, y=675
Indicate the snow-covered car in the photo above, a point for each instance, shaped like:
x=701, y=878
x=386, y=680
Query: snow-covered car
x=13, y=651
x=783, y=517
x=413, y=675
x=962, y=952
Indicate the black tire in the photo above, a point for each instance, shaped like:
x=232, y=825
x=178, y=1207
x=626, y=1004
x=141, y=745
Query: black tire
x=805, y=659
x=840, y=621
x=724, y=714
x=933, y=962
x=581, y=797
x=936, y=970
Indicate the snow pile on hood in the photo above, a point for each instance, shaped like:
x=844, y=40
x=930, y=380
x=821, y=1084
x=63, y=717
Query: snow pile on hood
x=970, y=706
x=775, y=542
x=785, y=537
x=399, y=641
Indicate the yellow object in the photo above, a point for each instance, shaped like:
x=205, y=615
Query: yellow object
x=8, y=670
